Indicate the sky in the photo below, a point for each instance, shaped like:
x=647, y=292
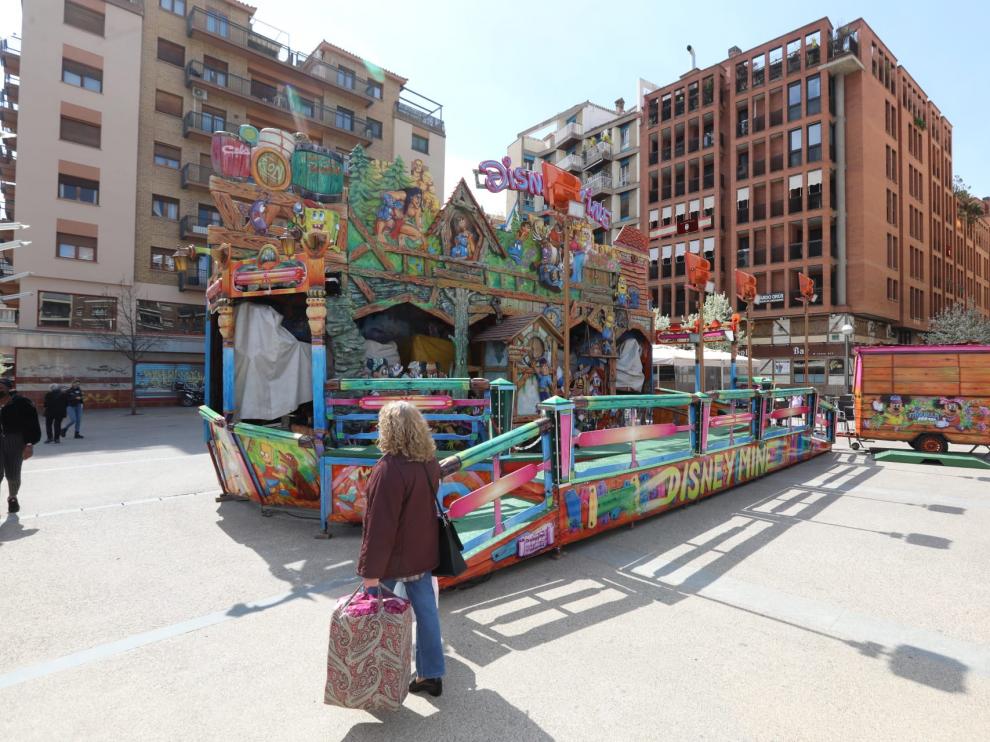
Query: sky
x=504, y=66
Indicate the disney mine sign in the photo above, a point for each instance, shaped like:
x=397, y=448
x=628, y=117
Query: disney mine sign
x=499, y=175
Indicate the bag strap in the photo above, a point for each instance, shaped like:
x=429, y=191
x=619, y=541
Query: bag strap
x=436, y=491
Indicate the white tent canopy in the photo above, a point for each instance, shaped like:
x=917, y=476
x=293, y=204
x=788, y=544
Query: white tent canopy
x=674, y=367
x=674, y=355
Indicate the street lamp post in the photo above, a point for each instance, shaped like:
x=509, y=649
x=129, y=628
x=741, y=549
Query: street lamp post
x=847, y=331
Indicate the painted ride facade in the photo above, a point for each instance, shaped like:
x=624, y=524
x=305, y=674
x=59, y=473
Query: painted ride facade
x=337, y=286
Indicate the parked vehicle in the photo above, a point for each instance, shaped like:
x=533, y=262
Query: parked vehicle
x=190, y=395
x=926, y=395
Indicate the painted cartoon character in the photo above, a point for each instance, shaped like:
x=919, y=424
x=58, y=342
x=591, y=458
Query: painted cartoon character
x=272, y=470
x=395, y=371
x=952, y=412
x=415, y=370
x=377, y=368
x=463, y=246
x=257, y=215
x=544, y=379
x=422, y=179
x=516, y=249
x=581, y=245
x=622, y=292
x=608, y=331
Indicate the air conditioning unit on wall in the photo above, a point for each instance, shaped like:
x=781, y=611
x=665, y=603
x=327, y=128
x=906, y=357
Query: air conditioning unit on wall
x=199, y=94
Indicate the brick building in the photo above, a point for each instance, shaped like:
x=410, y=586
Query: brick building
x=813, y=152
x=114, y=103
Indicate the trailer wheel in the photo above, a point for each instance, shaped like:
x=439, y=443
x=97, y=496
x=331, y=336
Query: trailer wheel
x=854, y=445
x=930, y=443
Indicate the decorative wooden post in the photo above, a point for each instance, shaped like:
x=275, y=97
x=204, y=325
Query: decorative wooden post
x=808, y=295
x=746, y=292
x=316, y=315
x=503, y=399
x=561, y=413
x=698, y=274
x=225, y=322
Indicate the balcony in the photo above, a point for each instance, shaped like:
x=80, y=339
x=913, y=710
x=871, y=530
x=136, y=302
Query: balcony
x=678, y=149
x=693, y=185
x=759, y=212
x=196, y=176
x=742, y=171
x=598, y=183
x=796, y=251
x=626, y=180
x=777, y=117
x=7, y=211
x=570, y=132
x=843, y=55
x=407, y=109
x=597, y=153
x=12, y=86
x=203, y=124
x=215, y=27
x=795, y=204
x=708, y=181
x=654, y=158
x=8, y=318
x=777, y=208
x=196, y=277
x=8, y=112
x=193, y=226
x=759, y=168
x=742, y=128
x=10, y=54
x=742, y=215
x=776, y=163
x=776, y=253
x=759, y=123
x=330, y=118
x=794, y=62
x=572, y=161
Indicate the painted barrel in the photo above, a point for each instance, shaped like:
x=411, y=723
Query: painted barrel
x=229, y=155
x=248, y=133
x=317, y=170
x=279, y=140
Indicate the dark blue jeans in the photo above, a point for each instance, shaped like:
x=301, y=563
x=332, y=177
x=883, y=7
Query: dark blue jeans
x=429, y=645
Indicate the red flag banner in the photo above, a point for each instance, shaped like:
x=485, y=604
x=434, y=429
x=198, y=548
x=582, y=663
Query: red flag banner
x=698, y=270
x=560, y=187
x=745, y=286
x=807, y=287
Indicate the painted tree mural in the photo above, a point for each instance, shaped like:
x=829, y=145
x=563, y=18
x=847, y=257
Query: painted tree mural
x=395, y=177
x=365, y=186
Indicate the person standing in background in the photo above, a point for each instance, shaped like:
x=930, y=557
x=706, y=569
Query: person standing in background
x=74, y=408
x=55, y=405
x=19, y=431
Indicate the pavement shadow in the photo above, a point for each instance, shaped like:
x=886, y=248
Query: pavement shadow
x=11, y=529
x=461, y=714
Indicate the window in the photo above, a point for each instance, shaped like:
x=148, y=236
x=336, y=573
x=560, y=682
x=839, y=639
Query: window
x=624, y=205
x=709, y=206
x=263, y=91
x=795, y=193
x=75, y=312
x=173, y=6
x=814, y=85
x=815, y=189
x=758, y=66
x=794, y=154
x=76, y=247
x=794, y=101
x=375, y=90
x=84, y=18
x=165, y=317
x=162, y=260
x=794, y=55
x=216, y=23
x=167, y=156
x=624, y=141
x=776, y=64
x=213, y=119
x=812, y=50
x=345, y=78
x=892, y=252
x=207, y=215
x=421, y=144
x=80, y=132
x=344, y=119
x=168, y=103
x=78, y=189
x=742, y=205
x=165, y=207
x=215, y=71
x=82, y=76
x=171, y=53
x=891, y=289
x=374, y=128
x=742, y=76
x=814, y=142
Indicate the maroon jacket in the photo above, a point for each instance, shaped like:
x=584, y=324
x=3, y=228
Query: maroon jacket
x=400, y=520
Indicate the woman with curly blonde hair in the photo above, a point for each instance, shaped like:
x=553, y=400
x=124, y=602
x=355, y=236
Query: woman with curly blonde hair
x=399, y=541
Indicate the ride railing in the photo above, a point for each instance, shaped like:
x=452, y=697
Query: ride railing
x=731, y=418
x=787, y=411
x=456, y=409
x=500, y=485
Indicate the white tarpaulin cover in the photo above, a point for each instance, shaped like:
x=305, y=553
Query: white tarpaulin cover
x=273, y=370
x=629, y=367
x=671, y=355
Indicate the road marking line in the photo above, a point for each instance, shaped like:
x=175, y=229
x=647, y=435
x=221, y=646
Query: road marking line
x=112, y=649
x=113, y=463
x=109, y=505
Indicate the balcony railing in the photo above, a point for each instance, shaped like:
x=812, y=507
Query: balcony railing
x=333, y=118
x=693, y=185
x=654, y=158
x=796, y=251
x=742, y=127
x=794, y=62
x=626, y=180
x=742, y=171
x=196, y=226
x=194, y=175
x=814, y=248
x=599, y=183
x=776, y=69
x=8, y=317
x=759, y=168
x=777, y=208
x=776, y=163
x=708, y=180
x=201, y=123
x=597, y=153
x=567, y=132
x=795, y=204
x=843, y=45
x=572, y=161
x=777, y=117
x=742, y=215
x=220, y=27
x=759, y=123
x=759, y=212
x=776, y=253
x=405, y=108
x=679, y=149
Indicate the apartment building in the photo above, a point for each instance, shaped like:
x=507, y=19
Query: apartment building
x=118, y=104
x=815, y=152
x=600, y=145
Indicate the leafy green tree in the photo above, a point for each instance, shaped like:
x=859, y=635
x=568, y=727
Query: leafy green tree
x=958, y=324
x=968, y=207
x=365, y=186
x=717, y=307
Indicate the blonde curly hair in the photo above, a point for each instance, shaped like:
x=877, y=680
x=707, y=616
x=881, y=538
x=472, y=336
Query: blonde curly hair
x=402, y=431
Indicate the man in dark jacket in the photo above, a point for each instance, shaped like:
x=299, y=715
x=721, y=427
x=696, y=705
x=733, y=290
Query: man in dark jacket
x=75, y=407
x=19, y=431
x=55, y=406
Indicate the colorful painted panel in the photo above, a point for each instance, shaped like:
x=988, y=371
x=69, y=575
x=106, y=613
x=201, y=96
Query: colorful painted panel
x=236, y=479
x=288, y=474
x=913, y=414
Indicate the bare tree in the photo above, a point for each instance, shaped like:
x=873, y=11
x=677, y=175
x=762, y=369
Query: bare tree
x=124, y=335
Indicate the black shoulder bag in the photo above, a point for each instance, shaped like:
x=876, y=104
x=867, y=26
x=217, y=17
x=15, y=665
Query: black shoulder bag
x=449, y=543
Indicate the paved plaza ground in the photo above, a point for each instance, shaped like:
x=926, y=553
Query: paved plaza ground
x=840, y=599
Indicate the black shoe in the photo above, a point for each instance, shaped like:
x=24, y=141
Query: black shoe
x=12, y=505
x=77, y=436
x=64, y=432
x=49, y=441
x=55, y=441
x=433, y=686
